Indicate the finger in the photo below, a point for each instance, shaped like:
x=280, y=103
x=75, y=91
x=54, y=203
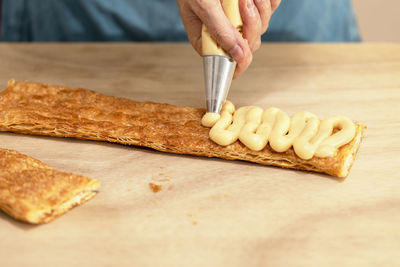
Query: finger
x=225, y=34
x=192, y=25
x=251, y=23
x=265, y=10
x=275, y=4
x=243, y=64
x=221, y=29
x=193, y=28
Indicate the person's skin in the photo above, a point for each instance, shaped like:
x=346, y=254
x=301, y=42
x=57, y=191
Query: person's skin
x=255, y=14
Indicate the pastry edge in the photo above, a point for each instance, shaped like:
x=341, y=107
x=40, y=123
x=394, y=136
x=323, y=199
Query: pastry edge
x=49, y=214
x=46, y=215
x=277, y=159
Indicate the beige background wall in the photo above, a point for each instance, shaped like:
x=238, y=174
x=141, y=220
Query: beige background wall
x=379, y=20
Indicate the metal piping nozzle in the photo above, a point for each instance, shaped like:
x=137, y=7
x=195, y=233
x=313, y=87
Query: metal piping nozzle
x=218, y=74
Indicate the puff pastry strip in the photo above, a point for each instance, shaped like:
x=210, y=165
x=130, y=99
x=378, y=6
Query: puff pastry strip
x=34, y=192
x=34, y=108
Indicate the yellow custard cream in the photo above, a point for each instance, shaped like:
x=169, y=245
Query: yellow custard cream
x=255, y=128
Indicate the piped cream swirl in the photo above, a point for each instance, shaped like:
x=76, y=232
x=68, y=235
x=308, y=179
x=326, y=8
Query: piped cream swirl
x=255, y=128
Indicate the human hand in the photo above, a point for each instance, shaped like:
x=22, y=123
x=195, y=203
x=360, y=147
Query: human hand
x=255, y=14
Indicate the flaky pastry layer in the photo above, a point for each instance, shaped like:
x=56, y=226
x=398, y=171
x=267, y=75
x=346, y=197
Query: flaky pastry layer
x=34, y=192
x=40, y=109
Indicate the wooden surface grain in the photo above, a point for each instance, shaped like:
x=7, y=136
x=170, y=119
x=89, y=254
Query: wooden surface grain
x=212, y=212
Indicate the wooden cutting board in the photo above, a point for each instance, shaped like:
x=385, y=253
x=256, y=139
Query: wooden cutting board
x=212, y=212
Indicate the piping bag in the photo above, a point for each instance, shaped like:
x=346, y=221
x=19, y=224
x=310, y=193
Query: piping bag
x=218, y=65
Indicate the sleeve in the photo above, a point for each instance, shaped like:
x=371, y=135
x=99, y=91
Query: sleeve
x=313, y=21
x=94, y=20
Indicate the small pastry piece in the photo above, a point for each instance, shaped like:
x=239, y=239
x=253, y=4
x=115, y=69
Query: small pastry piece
x=34, y=192
x=34, y=108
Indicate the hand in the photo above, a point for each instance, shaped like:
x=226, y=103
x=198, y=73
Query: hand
x=255, y=15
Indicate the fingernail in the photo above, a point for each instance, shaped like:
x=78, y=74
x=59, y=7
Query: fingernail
x=250, y=4
x=251, y=7
x=237, y=53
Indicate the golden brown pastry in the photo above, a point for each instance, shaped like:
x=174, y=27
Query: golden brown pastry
x=34, y=192
x=34, y=108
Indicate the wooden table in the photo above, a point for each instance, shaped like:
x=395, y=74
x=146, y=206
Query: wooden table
x=213, y=212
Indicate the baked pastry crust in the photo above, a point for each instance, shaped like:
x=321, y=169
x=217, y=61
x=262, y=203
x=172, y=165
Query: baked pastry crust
x=40, y=109
x=34, y=192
